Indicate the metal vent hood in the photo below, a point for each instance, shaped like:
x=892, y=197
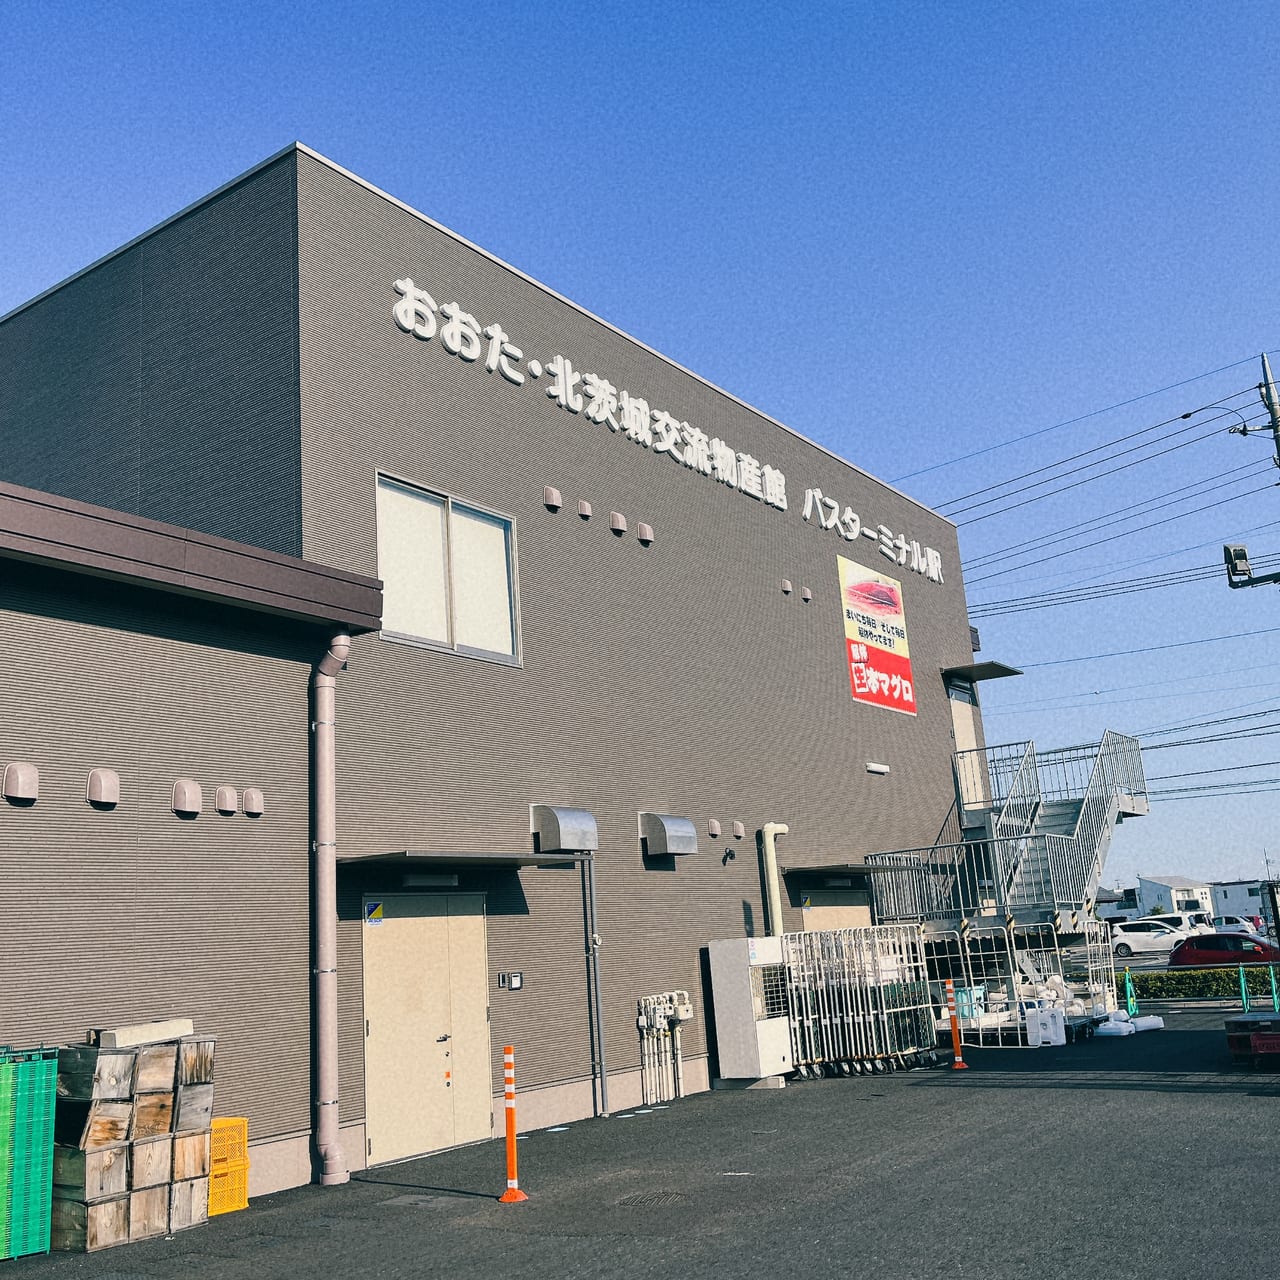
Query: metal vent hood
x=663, y=833
x=557, y=829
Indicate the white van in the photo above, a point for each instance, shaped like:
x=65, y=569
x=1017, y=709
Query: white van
x=1236, y=924
x=1188, y=922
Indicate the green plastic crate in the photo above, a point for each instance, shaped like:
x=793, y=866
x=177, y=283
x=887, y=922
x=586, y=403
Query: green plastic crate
x=8, y=1080
x=31, y=1177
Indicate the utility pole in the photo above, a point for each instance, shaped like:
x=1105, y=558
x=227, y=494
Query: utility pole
x=1267, y=389
x=1239, y=574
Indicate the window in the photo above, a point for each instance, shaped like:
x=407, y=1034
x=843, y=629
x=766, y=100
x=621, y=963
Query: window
x=959, y=690
x=447, y=571
x=1255, y=891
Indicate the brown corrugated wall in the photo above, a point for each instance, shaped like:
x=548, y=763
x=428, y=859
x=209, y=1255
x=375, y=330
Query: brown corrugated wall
x=676, y=678
x=163, y=382
x=123, y=916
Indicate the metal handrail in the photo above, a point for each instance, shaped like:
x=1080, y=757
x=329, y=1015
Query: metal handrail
x=1018, y=867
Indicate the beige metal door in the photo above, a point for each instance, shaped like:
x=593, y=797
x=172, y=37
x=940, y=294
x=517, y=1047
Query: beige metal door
x=427, y=1074
x=837, y=909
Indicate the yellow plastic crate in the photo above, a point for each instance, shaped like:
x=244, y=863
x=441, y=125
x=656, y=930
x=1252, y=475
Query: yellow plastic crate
x=228, y=1142
x=229, y=1188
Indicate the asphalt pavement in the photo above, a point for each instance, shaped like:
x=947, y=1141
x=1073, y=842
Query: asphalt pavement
x=1146, y=1157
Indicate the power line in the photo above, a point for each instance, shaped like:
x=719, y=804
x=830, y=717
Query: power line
x=1099, y=448
x=1106, y=590
x=1161, y=555
x=1048, y=539
x=1033, y=710
x=1153, y=648
x=1224, y=789
x=1070, y=422
x=1167, y=797
x=1177, y=725
x=1237, y=735
x=1142, y=528
x=1153, y=684
x=1066, y=488
x=1226, y=768
x=1214, y=724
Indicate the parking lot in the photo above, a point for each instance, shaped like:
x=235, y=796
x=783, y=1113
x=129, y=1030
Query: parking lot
x=1145, y=1157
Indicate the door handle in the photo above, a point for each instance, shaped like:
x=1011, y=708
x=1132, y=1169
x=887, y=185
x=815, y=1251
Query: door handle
x=441, y=1039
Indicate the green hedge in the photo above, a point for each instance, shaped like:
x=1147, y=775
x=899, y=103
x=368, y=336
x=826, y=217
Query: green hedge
x=1197, y=984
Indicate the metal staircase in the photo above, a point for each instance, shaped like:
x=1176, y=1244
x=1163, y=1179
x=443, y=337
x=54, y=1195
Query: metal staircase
x=1037, y=827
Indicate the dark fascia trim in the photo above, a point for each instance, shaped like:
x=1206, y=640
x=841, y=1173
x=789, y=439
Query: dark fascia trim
x=419, y=857
x=44, y=528
x=976, y=671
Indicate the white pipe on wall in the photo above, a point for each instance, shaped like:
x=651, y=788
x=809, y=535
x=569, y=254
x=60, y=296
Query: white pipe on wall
x=769, y=832
x=325, y=912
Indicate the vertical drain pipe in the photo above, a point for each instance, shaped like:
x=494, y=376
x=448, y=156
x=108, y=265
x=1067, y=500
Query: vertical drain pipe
x=768, y=832
x=593, y=961
x=325, y=913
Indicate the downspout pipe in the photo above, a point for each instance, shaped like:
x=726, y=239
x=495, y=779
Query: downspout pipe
x=593, y=956
x=768, y=835
x=325, y=911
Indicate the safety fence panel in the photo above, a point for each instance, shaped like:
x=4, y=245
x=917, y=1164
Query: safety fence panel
x=1007, y=979
x=858, y=999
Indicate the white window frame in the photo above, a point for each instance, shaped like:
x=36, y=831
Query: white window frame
x=514, y=659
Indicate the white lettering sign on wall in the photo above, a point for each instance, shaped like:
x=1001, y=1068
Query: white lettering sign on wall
x=589, y=394
x=907, y=554
x=632, y=417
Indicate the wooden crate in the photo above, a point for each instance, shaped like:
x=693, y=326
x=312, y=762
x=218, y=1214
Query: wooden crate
x=151, y=1162
x=91, y=1126
x=152, y=1115
x=157, y=1065
x=190, y=1156
x=194, y=1108
x=89, y=1176
x=87, y=1072
x=188, y=1203
x=149, y=1212
x=86, y=1228
x=195, y=1060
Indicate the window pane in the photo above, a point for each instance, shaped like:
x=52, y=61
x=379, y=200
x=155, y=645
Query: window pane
x=482, y=612
x=411, y=563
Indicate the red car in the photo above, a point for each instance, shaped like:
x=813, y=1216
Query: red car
x=1223, y=948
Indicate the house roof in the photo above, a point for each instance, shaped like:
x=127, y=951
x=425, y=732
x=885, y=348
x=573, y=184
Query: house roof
x=1171, y=881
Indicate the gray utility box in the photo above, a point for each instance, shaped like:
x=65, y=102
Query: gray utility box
x=749, y=989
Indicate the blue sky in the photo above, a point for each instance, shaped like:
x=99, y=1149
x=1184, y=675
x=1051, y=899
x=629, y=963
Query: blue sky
x=910, y=231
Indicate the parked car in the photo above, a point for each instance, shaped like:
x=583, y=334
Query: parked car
x=1187, y=922
x=1223, y=948
x=1238, y=924
x=1144, y=935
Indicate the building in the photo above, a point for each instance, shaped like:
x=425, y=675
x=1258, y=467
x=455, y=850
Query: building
x=1248, y=898
x=627, y=624
x=1117, y=904
x=1173, y=893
